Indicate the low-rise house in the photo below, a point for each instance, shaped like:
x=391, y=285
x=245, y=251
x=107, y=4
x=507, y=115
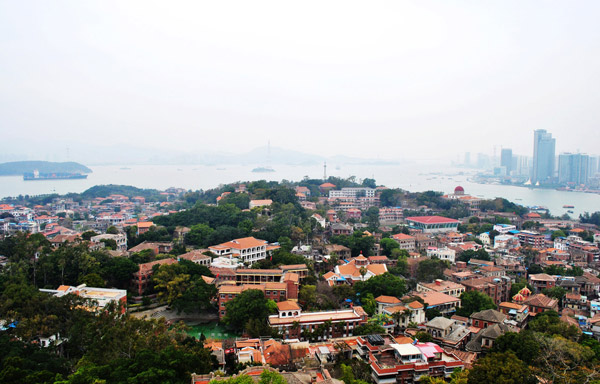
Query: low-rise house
x=486, y=318
x=119, y=238
x=498, y=288
x=539, y=303
x=392, y=362
x=448, y=287
x=247, y=249
x=541, y=281
x=155, y=247
x=486, y=338
x=405, y=242
x=515, y=312
x=442, y=253
x=196, y=256
x=446, y=304
x=142, y=277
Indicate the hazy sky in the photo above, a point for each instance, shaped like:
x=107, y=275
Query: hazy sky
x=393, y=79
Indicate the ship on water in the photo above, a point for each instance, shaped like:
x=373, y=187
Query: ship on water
x=36, y=175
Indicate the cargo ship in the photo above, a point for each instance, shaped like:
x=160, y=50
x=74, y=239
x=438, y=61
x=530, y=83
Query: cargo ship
x=568, y=206
x=36, y=175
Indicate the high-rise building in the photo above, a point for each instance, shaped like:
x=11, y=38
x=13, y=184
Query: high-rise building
x=543, y=156
x=593, y=166
x=506, y=159
x=573, y=168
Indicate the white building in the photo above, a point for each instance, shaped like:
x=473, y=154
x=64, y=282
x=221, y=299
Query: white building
x=120, y=239
x=442, y=253
x=504, y=228
x=352, y=193
x=247, y=249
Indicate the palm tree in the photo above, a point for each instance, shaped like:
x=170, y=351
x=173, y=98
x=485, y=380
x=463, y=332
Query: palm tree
x=363, y=272
x=295, y=327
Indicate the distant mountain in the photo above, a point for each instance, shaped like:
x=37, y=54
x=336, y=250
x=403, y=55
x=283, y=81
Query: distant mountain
x=18, y=168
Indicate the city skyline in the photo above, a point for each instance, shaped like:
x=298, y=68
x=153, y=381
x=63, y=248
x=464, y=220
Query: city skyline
x=414, y=80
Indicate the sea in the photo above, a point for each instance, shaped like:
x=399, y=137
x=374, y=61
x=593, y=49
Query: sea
x=412, y=177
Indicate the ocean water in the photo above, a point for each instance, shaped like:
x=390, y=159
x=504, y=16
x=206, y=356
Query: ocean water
x=412, y=177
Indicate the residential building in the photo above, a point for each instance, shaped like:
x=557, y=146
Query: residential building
x=486, y=318
x=405, y=363
x=446, y=304
x=405, y=242
x=141, y=278
x=498, y=288
x=247, y=249
x=196, y=256
x=541, y=281
x=445, y=253
x=532, y=239
x=260, y=203
x=359, y=269
x=540, y=303
x=120, y=239
x=448, y=287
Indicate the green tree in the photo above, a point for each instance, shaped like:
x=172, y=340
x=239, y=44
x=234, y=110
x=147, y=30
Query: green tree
x=423, y=337
x=388, y=245
x=474, y=301
x=385, y=284
x=112, y=230
x=250, y=304
x=500, y=368
x=431, y=269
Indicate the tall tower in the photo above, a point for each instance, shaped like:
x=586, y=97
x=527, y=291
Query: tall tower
x=543, y=156
x=324, y=170
x=506, y=159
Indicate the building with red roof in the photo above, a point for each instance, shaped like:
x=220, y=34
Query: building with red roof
x=433, y=224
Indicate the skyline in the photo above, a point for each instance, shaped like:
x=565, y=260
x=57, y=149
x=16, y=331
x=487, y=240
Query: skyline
x=415, y=80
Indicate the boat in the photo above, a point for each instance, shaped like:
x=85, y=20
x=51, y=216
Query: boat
x=570, y=211
x=568, y=206
x=36, y=175
x=263, y=170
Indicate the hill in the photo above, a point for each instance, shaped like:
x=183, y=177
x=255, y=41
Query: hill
x=18, y=168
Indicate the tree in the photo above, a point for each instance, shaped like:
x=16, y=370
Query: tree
x=501, y=368
x=369, y=183
x=423, y=337
x=558, y=233
x=432, y=313
x=112, y=230
x=388, y=245
x=474, y=301
x=199, y=235
x=555, y=292
x=431, y=269
x=182, y=287
x=250, y=304
x=385, y=284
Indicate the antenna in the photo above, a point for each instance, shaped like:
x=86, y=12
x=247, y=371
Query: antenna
x=325, y=170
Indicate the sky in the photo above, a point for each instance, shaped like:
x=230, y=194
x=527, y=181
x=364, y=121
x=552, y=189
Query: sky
x=378, y=79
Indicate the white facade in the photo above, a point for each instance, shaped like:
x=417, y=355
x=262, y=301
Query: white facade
x=504, y=228
x=120, y=239
x=352, y=192
x=442, y=253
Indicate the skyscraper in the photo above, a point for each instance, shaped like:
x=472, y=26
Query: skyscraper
x=573, y=168
x=506, y=159
x=543, y=156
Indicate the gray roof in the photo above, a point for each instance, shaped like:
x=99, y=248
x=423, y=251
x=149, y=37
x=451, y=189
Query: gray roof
x=489, y=315
x=458, y=334
x=440, y=323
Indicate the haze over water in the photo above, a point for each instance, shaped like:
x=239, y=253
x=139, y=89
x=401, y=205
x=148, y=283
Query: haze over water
x=413, y=177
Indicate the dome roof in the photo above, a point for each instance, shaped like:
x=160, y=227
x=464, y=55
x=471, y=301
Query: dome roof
x=518, y=297
x=459, y=190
